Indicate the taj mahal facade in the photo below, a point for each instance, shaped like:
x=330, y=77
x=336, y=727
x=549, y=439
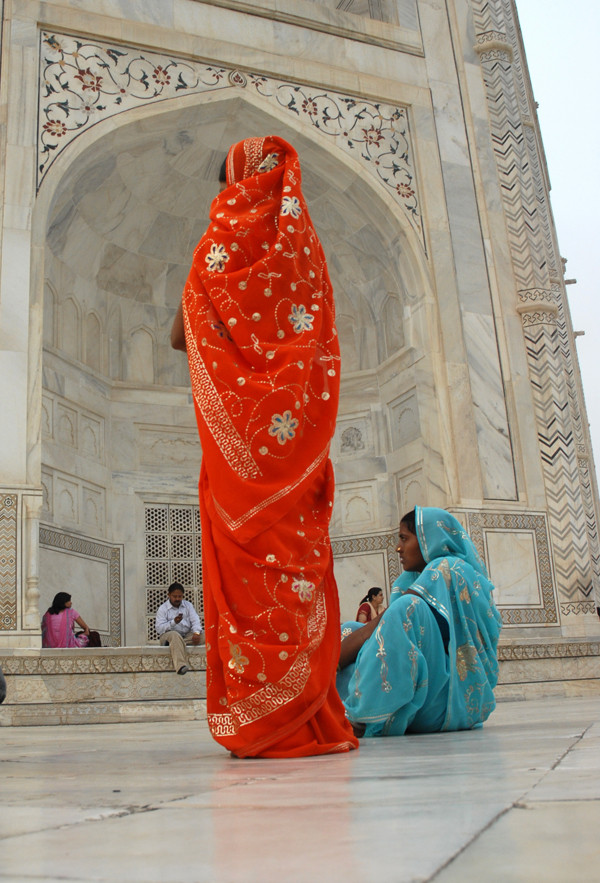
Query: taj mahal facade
x=425, y=175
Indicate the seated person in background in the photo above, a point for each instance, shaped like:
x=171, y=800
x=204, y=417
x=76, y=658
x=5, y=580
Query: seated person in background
x=178, y=624
x=429, y=662
x=58, y=625
x=371, y=605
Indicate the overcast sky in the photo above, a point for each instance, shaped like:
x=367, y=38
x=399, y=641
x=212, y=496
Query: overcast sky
x=561, y=42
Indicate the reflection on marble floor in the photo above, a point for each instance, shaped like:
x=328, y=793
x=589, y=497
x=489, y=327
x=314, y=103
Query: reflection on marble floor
x=517, y=800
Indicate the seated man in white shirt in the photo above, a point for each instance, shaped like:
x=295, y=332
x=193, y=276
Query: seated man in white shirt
x=178, y=624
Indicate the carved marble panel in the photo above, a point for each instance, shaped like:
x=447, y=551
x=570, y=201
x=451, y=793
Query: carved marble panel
x=404, y=419
x=47, y=492
x=91, y=434
x=361, y=562
x=8, y=562
x=91, y=571
x=179, y=448
x=410, y=488
x=66, y=425
x=93, y=508
x=358, y=506
x=66, y=499
x=353, y=436
x=516, y=549
x=47, y=416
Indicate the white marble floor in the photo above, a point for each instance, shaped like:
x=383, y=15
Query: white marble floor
x=517, y=800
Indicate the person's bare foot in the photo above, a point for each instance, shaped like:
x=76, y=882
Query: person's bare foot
x=358, y=728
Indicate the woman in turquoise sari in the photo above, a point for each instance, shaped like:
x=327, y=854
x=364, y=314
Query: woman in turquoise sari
x=429, y=662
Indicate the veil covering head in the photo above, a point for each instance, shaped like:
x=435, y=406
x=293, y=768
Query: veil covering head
x=441, y=655
x=264, y=365
x=261, y=339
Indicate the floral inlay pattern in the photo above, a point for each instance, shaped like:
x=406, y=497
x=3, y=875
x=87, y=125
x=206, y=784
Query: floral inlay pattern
x=83, y=82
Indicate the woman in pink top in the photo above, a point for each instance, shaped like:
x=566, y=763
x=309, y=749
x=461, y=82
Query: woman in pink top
x=59, y=621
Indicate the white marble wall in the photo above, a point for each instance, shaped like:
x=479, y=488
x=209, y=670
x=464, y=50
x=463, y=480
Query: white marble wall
x=101, y=210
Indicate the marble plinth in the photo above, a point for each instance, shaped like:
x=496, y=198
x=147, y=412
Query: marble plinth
x=104, y=685
x=138, y=684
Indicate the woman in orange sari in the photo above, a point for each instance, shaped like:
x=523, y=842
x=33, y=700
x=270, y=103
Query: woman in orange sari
x=258, y=318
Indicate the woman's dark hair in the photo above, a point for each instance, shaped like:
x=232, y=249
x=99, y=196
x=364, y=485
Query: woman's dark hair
x=410, y=521
x=374, y=590
x=61, y=599
x=223, y=172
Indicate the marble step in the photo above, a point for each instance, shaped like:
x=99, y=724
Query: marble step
x=100, y=685
x=129, y=684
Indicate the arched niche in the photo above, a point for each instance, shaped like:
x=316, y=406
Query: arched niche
x=118, y=216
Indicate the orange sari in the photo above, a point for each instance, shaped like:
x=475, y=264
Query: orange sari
x=264, y=363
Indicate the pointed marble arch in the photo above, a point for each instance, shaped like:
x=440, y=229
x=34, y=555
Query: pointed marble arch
x=84, y=81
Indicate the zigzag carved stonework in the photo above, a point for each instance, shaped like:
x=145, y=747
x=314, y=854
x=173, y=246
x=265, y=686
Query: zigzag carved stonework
x=566, y=502
x=112, y=555
x=480, y=523
x=83, y=82
x=8, y=562
x=542, y=300
x=578, y=608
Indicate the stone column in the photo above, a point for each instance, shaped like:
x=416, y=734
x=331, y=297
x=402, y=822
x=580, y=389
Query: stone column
x=32, y=507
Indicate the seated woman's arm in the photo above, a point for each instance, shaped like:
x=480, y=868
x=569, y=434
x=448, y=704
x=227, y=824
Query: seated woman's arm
x=178, y=331
x=352, y=643
x=82, y=625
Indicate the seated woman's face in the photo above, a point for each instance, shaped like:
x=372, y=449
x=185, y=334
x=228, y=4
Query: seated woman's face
x=409, y=550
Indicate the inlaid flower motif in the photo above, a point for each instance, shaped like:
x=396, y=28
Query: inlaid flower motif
x=372, y=135
x=290, y=205
x=56, y=128
x=283, y=427
x=300, y=319
x=405, y=191
x=89, y=80
x=309, y=105
x=160, y=76
x=270, y=161
x=216, y=258
x=238, y=661
x=303, y=588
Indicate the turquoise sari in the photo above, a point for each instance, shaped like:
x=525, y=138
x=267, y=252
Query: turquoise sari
x=431, y=664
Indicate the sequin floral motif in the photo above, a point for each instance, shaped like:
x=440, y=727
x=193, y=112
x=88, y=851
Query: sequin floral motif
x=238, y=661
x=303, y=588
x=269, y=162
x=290, y=205
x=283, y=427
x=300, y=319
x=216, y=258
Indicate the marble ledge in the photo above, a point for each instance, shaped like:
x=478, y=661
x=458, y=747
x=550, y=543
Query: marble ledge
x=102, y=713
x=315, y=18
x=288, y=65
